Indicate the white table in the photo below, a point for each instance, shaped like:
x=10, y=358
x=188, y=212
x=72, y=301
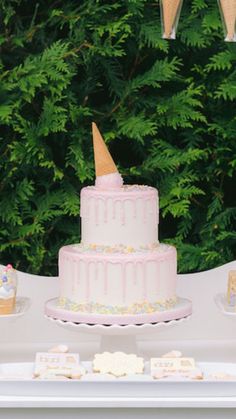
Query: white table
x=208, y=336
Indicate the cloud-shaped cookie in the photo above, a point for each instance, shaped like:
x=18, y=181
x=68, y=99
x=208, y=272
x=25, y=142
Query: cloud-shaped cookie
x=118, y=364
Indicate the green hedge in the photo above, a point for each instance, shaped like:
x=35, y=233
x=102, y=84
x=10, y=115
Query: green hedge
x=166, y=109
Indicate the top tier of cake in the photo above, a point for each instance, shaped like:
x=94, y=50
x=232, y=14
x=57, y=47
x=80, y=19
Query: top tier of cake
x=127, y=215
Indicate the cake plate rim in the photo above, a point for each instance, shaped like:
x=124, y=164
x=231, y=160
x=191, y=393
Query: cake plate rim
x=173, y=316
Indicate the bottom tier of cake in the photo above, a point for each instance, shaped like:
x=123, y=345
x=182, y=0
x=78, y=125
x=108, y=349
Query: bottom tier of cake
x=117, y=281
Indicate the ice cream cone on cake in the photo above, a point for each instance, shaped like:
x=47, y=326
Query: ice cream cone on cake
x=170, y=13
x=107, y=174
x=228, y=9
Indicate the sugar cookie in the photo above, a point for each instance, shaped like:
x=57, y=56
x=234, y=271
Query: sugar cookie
x=118, y=364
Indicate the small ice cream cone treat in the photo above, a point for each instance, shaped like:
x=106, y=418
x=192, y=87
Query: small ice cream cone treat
x=231, y=294
x=107, y=175
x=8, y=286
x=228, y=11
x=170, y=11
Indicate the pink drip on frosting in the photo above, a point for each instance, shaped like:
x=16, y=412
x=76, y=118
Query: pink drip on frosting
x=96, y=213
x=70, y=256
x=105, y=278
x=158, y=278
x=87, y=210
x=134, y=209
x=61, y=275
x=123, y=267
x=96, y=271
x=144, y=279
x=118, y=196
x=87, y=282
x=105, y=212
x=73, y=276
x=122, y=213
x=113, y=211
x=135, y=274
x=145, y=211
x=77, y=274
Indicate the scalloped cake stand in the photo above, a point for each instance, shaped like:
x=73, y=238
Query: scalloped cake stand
x=117, y=336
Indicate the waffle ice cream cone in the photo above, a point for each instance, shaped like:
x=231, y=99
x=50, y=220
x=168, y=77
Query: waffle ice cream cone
x=7, y=305
x=170, y=10
x=104, y=163
x=228, y=8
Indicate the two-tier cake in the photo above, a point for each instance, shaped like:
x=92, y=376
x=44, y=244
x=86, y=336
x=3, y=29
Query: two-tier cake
x=119, y=273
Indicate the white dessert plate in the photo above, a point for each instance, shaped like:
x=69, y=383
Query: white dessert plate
x=224, y=307
x=16, y=380
x=21, y=307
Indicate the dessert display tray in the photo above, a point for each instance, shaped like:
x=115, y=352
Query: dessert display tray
x=16, y=380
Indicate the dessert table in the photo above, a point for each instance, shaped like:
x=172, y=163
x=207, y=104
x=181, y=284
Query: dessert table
x=207, y=336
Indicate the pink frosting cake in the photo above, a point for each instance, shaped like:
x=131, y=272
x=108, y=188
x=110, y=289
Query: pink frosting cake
x=119, y=272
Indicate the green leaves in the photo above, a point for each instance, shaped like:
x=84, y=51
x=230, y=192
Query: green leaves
x=162, y=70
x=137, y=127
x=150, y=36
x=182, y=109
x=166, y=110
x=227, y=89
x=222, y=61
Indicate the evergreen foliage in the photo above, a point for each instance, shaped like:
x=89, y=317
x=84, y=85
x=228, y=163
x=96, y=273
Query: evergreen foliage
x=166, y=109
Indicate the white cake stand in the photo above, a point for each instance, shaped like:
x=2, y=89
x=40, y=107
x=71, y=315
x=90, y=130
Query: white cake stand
x=117, y=337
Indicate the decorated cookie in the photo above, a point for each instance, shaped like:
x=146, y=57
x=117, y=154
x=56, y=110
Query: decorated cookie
x=118, y=364
x=184, y=368
x=52, y=365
